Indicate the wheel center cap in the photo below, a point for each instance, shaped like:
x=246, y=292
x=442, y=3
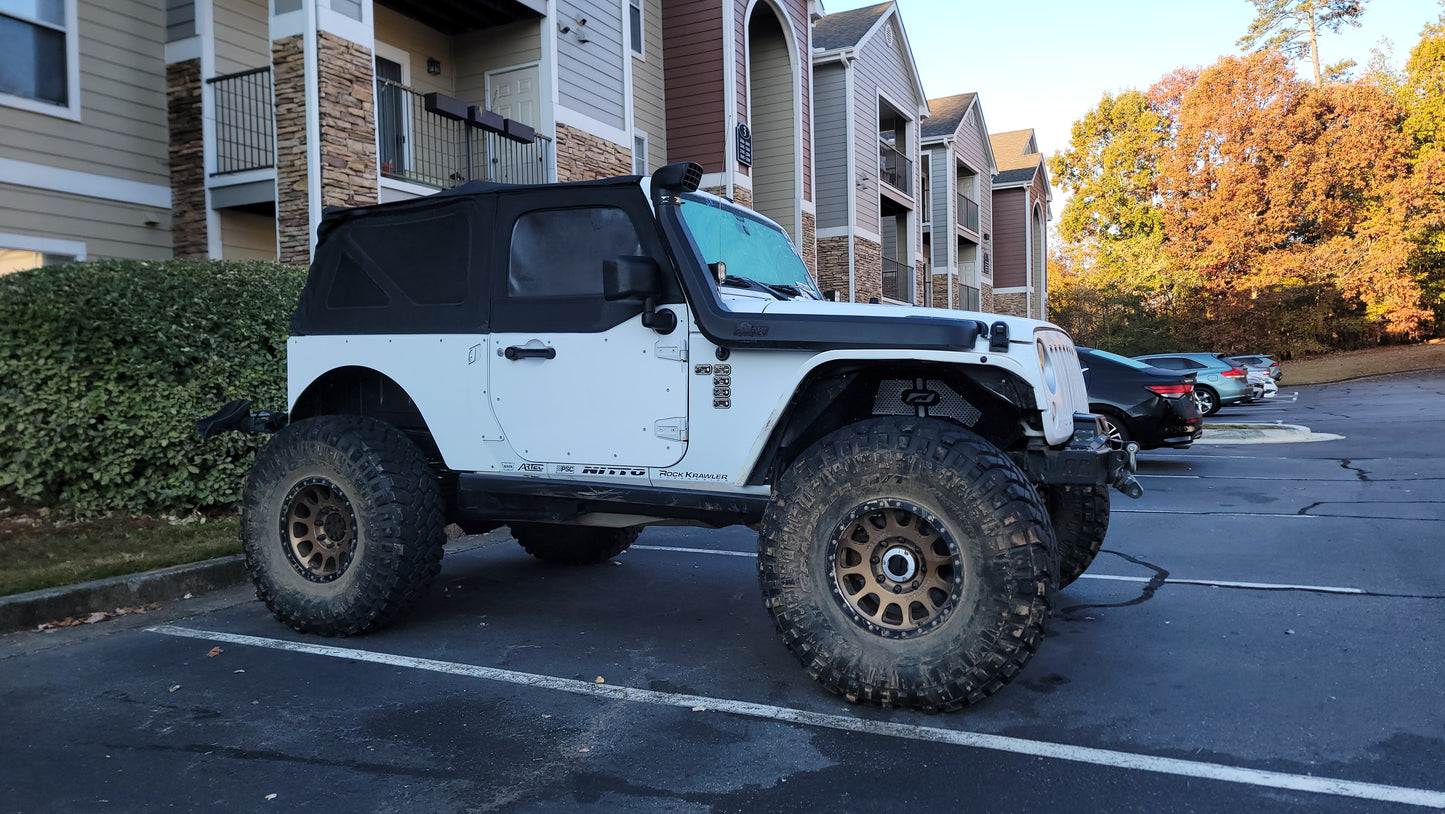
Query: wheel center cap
x=899, y=564
x=334, y=527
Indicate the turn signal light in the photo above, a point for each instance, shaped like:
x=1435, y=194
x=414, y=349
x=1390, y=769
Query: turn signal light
x=1171, y=390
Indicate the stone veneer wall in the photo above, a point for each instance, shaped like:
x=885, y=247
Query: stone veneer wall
x=940, y=291
x=867, y=270
x=347, y=88
x=985, y=298
x=189, y=237
x=919, y=276
x=293, y=214
x=810, y=242
x=582, y=156
x=1011, y=304
x=832, y=271
x=742, y=196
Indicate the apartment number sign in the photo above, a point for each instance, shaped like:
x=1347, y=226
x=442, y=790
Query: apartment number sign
x=745, y=145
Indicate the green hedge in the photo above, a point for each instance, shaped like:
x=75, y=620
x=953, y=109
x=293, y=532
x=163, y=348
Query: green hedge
x=105, y=366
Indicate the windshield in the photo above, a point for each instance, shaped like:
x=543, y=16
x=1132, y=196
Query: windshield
x=750, y=246
x=1114, y=357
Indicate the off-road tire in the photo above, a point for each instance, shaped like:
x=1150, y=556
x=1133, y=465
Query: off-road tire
x=382, y=503
x=989, y=524
x=1080, y=515
x=573, y=545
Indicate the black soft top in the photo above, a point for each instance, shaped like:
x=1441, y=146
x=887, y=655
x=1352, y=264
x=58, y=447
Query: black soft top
x=416, y=266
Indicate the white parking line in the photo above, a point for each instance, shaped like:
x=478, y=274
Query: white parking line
x=1209, y=583
x=1214, y=513
x=999, y=743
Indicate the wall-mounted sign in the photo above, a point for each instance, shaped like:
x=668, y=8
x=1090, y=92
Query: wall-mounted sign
x=745, y=145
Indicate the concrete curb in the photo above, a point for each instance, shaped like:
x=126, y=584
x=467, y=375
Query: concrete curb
x=1256, y=434
x=25, y=611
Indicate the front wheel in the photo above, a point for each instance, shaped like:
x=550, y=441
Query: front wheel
x=341, y=525
x=1080, y=515
x=907, y=562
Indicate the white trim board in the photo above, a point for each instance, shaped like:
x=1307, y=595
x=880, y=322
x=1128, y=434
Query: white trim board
x=88, y=184
x=45, y=245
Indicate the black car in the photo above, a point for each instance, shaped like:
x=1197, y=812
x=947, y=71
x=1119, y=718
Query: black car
x=1148, y=405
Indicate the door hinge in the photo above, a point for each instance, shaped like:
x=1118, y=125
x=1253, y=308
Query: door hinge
x=672, y=429
x=676, y=351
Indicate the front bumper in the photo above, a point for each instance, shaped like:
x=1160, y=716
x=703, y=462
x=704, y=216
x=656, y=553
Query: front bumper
x=1086, y=460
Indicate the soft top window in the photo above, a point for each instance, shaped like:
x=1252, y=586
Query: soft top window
x=559, y=252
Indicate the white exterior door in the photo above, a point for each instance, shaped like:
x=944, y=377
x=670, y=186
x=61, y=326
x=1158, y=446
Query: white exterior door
x=514, y=94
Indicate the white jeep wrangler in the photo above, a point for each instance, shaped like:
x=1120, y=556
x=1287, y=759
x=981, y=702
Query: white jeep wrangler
x=578, y=361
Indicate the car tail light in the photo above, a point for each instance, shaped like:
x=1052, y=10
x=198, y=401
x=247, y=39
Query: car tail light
x=1234, y=373
x=1172, y=391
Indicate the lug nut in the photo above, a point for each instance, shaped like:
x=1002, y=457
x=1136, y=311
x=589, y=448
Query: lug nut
x=897, y=589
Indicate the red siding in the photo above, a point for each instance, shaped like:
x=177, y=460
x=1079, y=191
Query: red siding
x=1010, y=239
x=693, y=53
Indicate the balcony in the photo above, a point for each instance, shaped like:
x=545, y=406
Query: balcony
x=897, y=280
x=968, y=213
x=245, y=126
x=440, y=142
x=969, y=298
x=895, y=168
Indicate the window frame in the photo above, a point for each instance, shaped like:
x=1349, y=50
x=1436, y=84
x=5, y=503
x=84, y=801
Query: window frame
x=638, y=44
x=639, y=137
x=70, y=110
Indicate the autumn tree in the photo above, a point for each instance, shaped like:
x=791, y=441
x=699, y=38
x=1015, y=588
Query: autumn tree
x=1420, y=90
x=1108, y=170
x=1293, y=28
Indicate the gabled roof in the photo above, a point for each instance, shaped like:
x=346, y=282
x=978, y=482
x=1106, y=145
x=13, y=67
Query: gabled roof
x=1015, y=149
x=947, y=115
x=1020, y=177
x=846, y=29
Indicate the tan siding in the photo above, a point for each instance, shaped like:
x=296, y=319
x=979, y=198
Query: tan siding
x=1010, y=227
x=108, y=229
x=490, y=50
x=420, y=42
x=774, y=123
x=696, y=127
x=649, y=107
x=243, y=39
x=122, y=132
x=881, y=67
x=247, y=236
x=834, y=186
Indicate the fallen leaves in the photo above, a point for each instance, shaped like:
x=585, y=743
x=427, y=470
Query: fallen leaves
x=96, y=617
x=213, y=652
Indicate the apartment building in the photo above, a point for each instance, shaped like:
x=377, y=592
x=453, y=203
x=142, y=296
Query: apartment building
x=1021, y=212
x=958, y=168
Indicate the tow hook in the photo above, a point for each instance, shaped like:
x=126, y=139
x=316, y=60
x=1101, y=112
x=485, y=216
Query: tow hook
x=1124, y=479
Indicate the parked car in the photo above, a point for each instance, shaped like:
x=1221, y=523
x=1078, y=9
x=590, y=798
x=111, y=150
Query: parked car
x=1218, y=382
x=1261, y=361
x=1147, y=405
x=1263, y=386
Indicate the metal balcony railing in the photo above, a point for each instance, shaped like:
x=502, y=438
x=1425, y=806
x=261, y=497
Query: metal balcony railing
x=895, y=168
x=897, y=280
x=245, y=121
x=970, y=298
x=968, y=213
x=427, y=147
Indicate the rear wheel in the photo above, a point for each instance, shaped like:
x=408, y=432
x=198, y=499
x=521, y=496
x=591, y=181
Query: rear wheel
x=1208, y=399
x=341, y=525
x=573, y=545
x=1080, y=515
x=907, y=562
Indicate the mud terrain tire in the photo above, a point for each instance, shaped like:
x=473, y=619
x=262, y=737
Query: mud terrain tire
x=1080, y=515
x=341, y=525
x=573, y=545
x=928, y=508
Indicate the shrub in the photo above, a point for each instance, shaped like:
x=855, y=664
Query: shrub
x=105, y=366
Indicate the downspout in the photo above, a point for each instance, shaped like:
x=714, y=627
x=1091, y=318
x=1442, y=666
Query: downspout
x=852, y=150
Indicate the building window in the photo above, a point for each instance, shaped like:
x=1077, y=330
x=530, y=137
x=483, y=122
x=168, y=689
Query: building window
x=22, y=259
x=634, y=19
x=639, y=154
x=38, y=55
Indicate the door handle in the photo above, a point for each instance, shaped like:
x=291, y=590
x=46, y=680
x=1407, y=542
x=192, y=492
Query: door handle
x=519, y=352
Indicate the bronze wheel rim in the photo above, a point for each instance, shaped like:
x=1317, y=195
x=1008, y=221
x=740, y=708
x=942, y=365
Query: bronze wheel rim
x=319, y=528
x=896, y=571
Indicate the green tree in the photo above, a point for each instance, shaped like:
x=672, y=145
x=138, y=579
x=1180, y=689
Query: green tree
x=1108, y=170
x=1293, y=28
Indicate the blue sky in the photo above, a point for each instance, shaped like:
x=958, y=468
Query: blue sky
x=1045, y=63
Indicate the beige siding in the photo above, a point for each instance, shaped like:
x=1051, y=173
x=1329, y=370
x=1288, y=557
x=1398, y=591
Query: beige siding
x=243, y=40
x=649, y=108
x=774, y=121
x=122, y=132
x=419, y=42
x=493, y=49
x=881, y=68
x=247, y=236
x=831, y=144
x=108, y=229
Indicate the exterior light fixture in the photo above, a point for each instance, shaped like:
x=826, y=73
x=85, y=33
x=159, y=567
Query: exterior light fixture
x=433, y=66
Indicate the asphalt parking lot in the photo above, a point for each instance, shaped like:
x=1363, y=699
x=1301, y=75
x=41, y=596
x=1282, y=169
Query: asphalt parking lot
x=1262, y=632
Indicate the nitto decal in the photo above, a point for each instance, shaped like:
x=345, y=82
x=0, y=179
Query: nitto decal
x=613, y=471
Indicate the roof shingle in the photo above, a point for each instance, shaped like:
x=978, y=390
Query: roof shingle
x=846, y=28
x=945, y=115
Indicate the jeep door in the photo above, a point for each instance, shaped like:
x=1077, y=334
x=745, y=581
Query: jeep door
x=575, y=378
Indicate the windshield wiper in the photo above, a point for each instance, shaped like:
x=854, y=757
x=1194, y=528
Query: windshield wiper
x=748, y=282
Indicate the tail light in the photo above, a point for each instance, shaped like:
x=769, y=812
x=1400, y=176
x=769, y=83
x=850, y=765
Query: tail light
x=1172, y=391
x=1234, y=373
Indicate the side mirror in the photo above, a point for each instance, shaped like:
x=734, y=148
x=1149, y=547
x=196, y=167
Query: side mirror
x=630, y=278
x=633, y=278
